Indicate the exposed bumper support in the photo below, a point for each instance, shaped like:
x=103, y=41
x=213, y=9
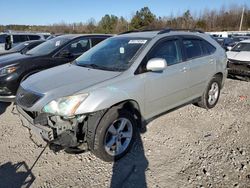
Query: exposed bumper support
x=7, y=98
x=45, y=132
x=239, y=72
x=53, y=129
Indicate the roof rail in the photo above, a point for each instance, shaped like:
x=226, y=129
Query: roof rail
x=167, y=30
x=134, y=31
x=162, y=31
x=130, y=31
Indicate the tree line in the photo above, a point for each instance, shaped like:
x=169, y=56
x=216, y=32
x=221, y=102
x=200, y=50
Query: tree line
x=224, y=19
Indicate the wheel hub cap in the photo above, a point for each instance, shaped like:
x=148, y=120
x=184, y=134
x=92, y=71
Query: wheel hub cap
x=118, y=136
x=213, y=93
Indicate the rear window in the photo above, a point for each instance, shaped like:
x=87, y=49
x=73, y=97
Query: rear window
x=193, y=48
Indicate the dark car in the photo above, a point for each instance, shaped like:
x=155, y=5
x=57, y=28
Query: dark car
x=14, y=68
x=23, y=47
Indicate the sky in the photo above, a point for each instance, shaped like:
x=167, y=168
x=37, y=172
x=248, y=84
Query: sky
x=45, y=12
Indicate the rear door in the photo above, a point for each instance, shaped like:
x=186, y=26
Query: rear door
x=201, y=62
x=167, y=89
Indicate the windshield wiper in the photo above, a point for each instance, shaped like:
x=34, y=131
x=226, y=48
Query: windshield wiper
x=90, y=65
x=95, y=66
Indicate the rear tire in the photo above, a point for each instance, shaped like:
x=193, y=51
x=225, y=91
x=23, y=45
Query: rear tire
x=115, y=135
x=211, y=95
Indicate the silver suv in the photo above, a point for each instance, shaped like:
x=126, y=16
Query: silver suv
x=101, y=98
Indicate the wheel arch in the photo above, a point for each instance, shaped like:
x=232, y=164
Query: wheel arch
x=221, y=76
x=94, y=118
x=131, y=106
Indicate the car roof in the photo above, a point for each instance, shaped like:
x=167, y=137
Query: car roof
x=164, y=32
x=144, y=34
x=245, y=41
x=73, y=36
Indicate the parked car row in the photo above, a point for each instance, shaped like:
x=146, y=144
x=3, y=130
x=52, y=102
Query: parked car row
x=16, y=67
x=238, y=53
x=76, y=94
x=229, y=42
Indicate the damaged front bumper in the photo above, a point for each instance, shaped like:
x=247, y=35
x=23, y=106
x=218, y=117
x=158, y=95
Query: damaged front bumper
x=239, y=68
x=54, y=129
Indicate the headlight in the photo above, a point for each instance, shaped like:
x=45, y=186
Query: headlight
x=65, y=106
x=7, y=70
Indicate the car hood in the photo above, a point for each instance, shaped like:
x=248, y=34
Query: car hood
x=240, y=56
x=8, y=59
x=66, y=80
x=5, y=53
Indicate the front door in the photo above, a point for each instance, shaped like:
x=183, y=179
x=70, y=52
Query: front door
x=167, y=89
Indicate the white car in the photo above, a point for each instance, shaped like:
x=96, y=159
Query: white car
x=239, y=59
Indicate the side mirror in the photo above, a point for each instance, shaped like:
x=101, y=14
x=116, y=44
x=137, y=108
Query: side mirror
x=229, y=48
x=156, y=64
x=66, y=54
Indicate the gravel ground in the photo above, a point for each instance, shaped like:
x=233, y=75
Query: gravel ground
x=190, y=147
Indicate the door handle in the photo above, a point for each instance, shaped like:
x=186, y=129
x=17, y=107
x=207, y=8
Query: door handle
x=184, y=69
x=211, y=61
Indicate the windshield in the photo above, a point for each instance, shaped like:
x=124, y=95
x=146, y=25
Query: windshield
x=48, y=46
x=19, y=47
x=241, y=47
x=114, y=54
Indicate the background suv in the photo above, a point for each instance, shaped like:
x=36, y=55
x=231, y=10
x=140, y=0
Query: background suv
x=9, y=40
x=102, y=98
x=15, y=68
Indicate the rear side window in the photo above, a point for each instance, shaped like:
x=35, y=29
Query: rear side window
x=19, y=38
x=207, y=48
x=95, y=41
x=193, y=48
x=34, y=37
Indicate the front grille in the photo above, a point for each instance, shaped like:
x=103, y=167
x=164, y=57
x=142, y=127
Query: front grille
x=27, y=98
x=238, y=65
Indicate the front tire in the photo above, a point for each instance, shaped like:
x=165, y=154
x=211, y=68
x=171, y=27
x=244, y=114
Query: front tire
x=115, y=135
x=211, y=95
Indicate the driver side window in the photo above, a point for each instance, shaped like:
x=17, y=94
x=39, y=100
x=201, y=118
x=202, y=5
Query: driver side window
x=78, y=47
x=168, y=50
